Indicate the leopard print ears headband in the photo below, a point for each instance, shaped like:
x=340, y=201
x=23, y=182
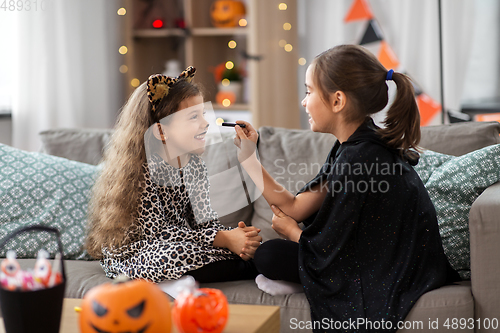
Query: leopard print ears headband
x=159, y=85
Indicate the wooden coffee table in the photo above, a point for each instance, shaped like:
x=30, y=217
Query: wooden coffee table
x=242, y=318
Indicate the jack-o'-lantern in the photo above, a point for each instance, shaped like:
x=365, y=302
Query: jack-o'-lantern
x=204, y=310
x=227, y=13
x=131, y=306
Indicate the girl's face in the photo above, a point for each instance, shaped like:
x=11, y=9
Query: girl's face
x=320, y=115
x=186, y=129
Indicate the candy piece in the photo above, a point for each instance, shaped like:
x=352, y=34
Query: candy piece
x=43, y=269
x=10, y=272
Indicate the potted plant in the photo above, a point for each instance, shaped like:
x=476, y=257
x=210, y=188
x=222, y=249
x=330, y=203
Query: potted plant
x=229, y=80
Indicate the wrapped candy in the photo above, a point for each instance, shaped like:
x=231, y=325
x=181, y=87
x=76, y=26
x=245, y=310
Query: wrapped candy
x=43, y=268
x=43, y=275
x=11, y=272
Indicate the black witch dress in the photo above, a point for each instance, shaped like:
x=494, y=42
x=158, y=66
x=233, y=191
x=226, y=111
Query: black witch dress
x=374, y=247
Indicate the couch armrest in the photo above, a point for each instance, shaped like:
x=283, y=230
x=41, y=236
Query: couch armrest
x=484, y=226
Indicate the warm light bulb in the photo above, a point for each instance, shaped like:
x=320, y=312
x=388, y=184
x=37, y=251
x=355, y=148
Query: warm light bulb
x=225, y=82
x=287, y=26
x=157, y=24
x=282, y=43
x=123, y=69
x=123, y=50
x=242, y=22
x=135, y=83
x=229, y=65
x=232, y=44
x=219, y=121
x=302, y=61
x=122, y=11
x=226, y=102
x=282, y=6
x=288, y=47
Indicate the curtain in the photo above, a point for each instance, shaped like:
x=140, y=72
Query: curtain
x=483, y=72
x=67, y=70
x=411, y=30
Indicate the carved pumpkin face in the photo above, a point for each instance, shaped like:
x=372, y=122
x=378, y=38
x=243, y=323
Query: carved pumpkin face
x=204, y=311
x=226, y=13
x=136, y=306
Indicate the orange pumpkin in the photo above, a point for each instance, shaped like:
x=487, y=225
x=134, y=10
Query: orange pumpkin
x=227, y=13
x=132, y=306
x=203, y=311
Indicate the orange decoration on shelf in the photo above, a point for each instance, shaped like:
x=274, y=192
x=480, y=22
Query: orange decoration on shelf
x=131, y=306
x=225, y=94
x=204, y=310
x=227, y=13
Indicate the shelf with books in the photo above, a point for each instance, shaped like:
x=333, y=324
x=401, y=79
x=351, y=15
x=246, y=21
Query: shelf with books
x=185, y=32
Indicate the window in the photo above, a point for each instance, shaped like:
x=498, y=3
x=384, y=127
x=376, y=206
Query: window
x=8, y=43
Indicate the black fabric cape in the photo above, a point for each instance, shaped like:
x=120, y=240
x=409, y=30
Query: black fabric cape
x=373, y=248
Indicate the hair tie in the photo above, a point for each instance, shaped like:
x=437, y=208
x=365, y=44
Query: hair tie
x=389, y=74
x=159, y=85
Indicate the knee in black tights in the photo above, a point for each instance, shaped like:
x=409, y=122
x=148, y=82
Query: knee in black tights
x=225, y=270
x=278, y=259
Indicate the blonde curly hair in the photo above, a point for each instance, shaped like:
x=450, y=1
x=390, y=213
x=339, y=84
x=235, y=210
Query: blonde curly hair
x=115, y=195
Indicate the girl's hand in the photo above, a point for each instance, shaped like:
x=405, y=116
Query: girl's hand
x=242, y=241
x=252, y=243
x=246, y=140
x=285, y=226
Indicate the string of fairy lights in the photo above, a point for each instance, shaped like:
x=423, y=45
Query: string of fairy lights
x=232, y=44
x=124, y=50
x=287, y=27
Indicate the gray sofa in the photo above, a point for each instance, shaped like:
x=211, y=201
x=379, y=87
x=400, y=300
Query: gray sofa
x=288, y=156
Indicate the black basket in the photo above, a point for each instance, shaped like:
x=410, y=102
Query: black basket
x=33, y=311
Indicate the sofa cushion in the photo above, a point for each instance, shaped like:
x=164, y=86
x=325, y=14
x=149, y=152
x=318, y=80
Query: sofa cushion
x=443, y=310
x=292, y=157
x=454, y=183
x=79, y=144
x=36, y=188
x=460, y=138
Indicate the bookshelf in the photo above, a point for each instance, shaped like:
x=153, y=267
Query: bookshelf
x=269, y=92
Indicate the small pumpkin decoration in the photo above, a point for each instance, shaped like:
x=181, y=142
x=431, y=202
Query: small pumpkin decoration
x=227, y=13
x=203, y=310
x=222, y=95
x=135, y=306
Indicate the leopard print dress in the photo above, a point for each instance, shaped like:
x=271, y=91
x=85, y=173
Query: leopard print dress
x=176, y=225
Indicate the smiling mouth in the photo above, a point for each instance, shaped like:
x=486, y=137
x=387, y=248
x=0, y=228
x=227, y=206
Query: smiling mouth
x=141, y=330
x=200, y=136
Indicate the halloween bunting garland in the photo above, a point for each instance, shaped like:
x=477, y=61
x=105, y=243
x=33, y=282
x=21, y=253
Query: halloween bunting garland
x=360, y=11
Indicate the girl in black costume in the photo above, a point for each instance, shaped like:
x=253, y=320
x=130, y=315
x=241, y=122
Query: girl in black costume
x=371, y=245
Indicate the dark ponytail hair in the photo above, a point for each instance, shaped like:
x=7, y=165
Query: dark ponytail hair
x=357, y=72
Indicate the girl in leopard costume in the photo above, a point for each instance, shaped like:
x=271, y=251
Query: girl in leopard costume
x=150, y=214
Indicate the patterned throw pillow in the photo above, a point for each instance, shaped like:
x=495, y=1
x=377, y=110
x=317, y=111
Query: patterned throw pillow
x=42, y=189
x=454, y=183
